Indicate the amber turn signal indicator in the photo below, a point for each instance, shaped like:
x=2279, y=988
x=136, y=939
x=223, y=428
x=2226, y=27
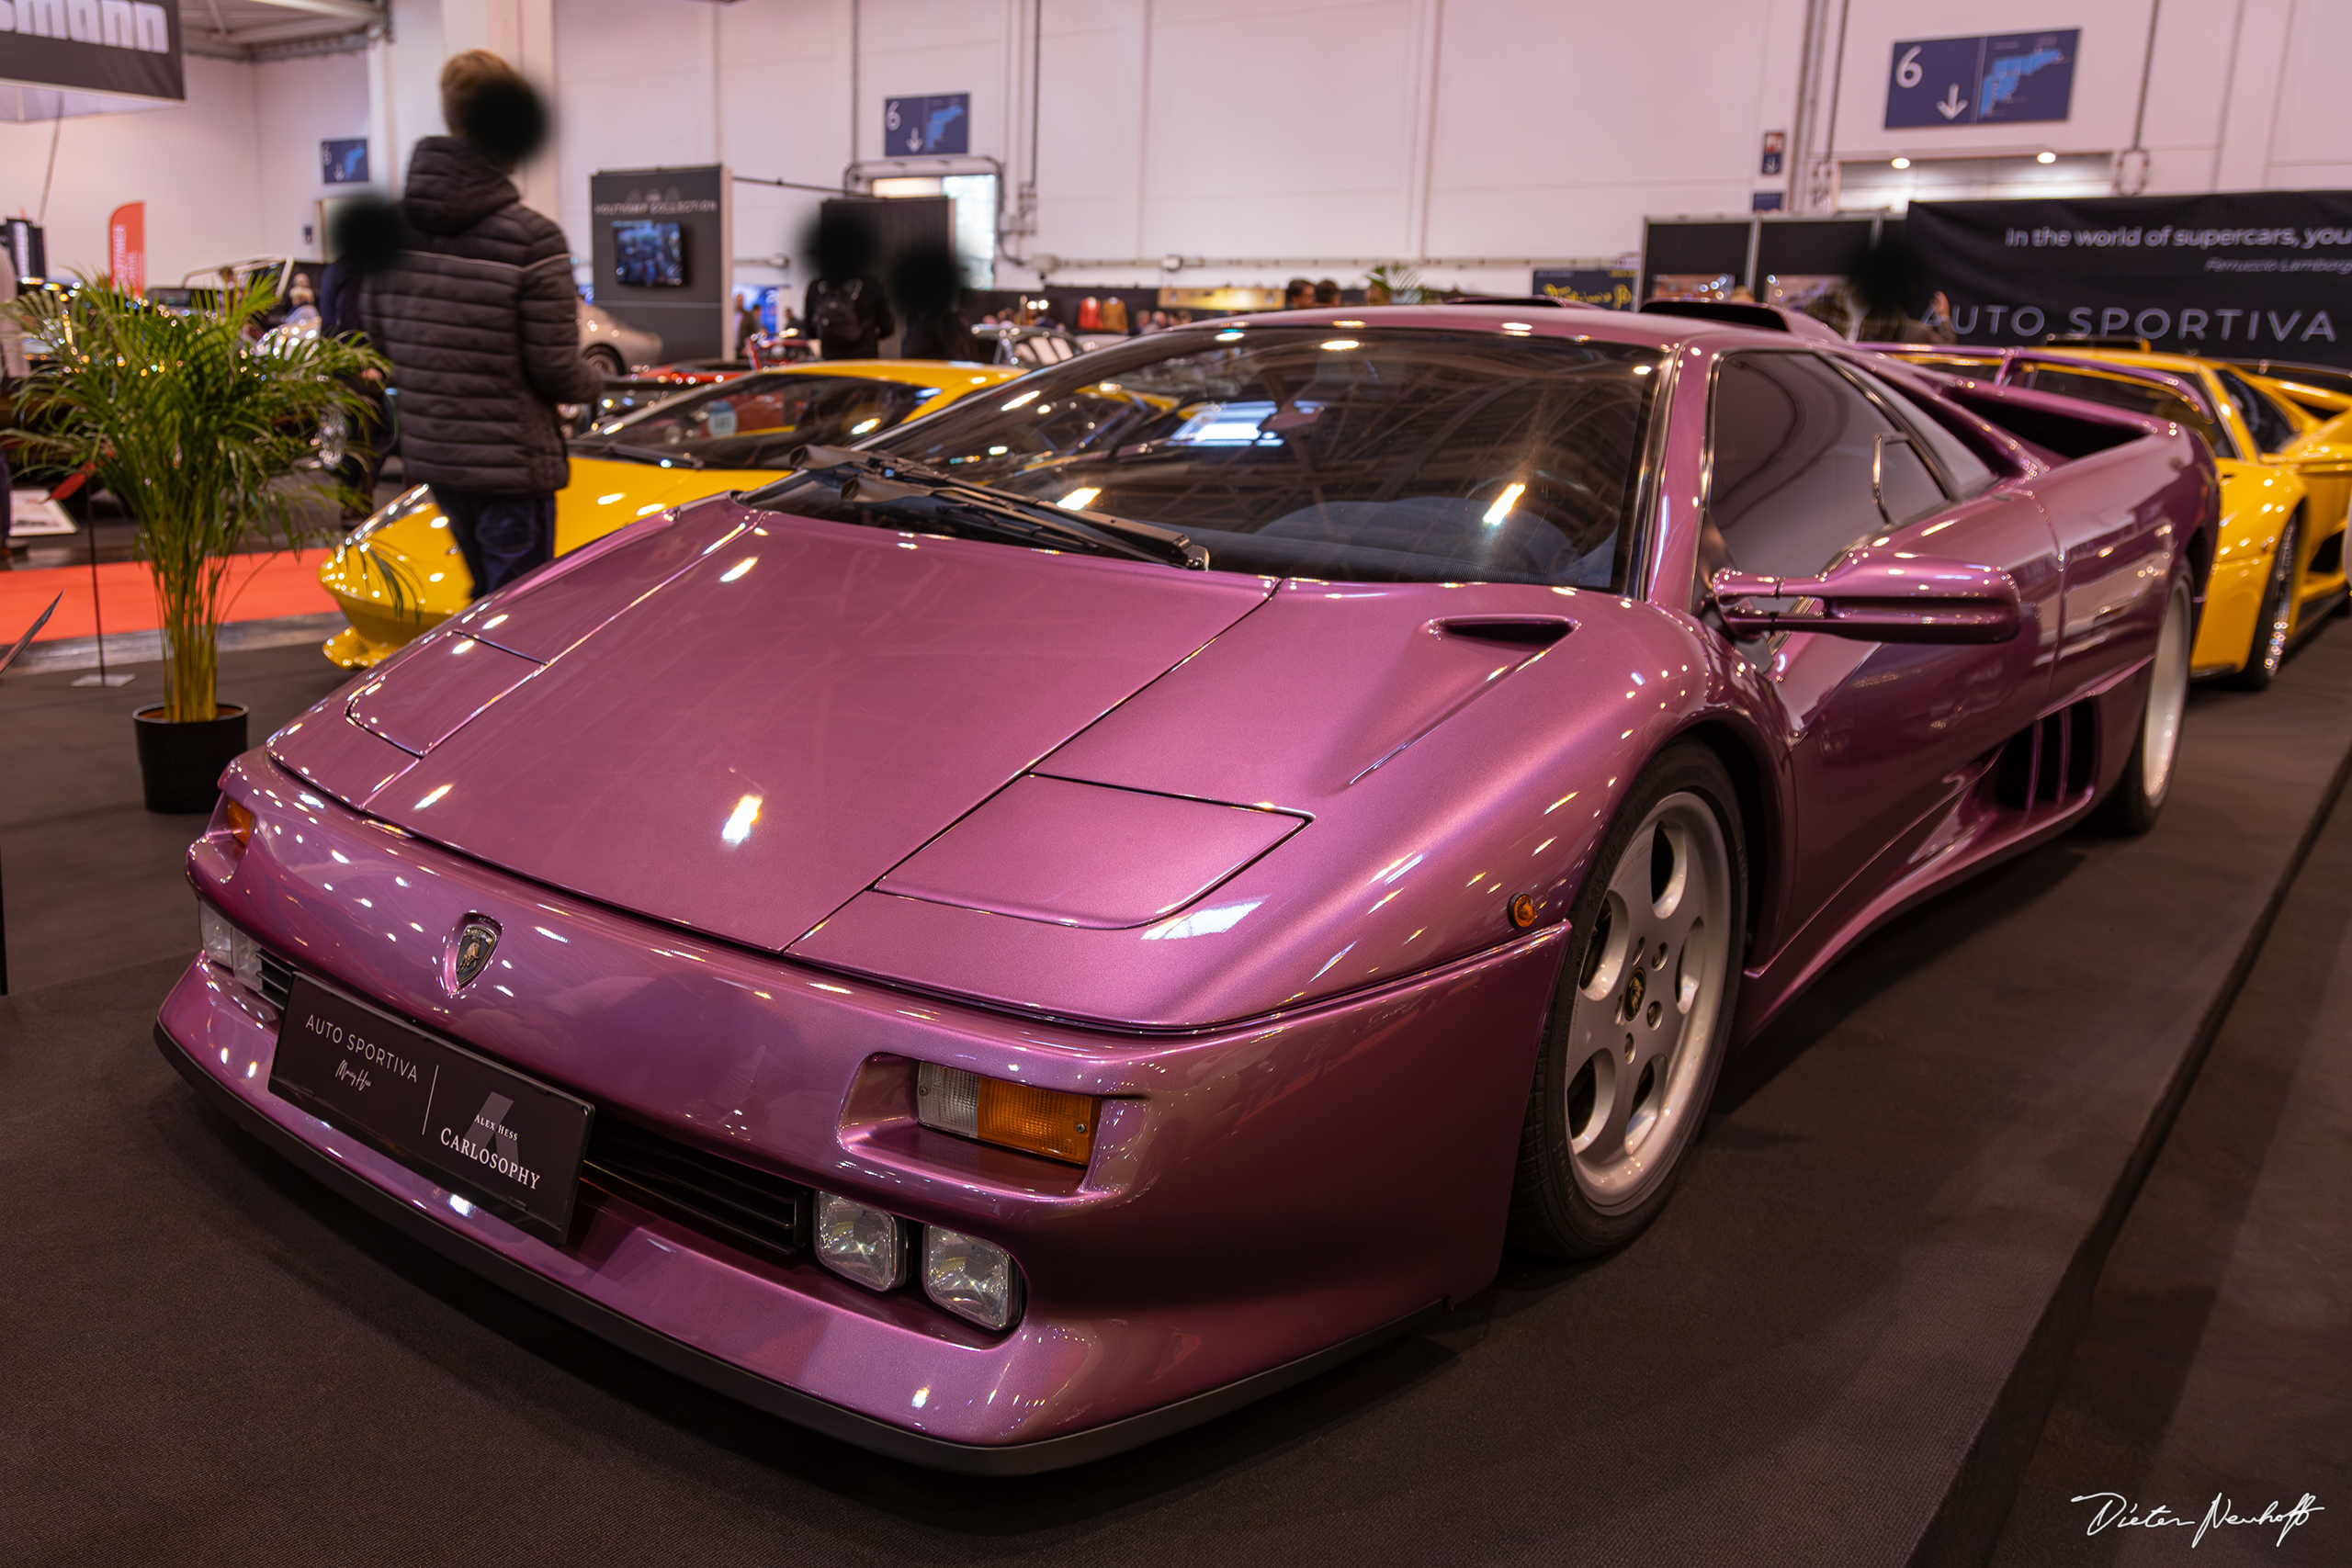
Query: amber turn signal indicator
x=240, y=822
x=1522, y=910
x=1014, y=1115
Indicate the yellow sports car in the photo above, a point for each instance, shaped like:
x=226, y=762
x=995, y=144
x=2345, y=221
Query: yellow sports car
x=400, y=574
x=2286, y=484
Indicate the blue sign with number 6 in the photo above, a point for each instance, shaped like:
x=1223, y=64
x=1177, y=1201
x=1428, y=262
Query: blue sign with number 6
x=939, y=126
x=1979, y=81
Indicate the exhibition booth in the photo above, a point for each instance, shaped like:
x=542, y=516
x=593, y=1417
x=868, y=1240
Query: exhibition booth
x=1221, y=799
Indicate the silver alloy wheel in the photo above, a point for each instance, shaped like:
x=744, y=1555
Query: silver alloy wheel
x=2280, y=602
x=1649, y=990
x=2168, y=699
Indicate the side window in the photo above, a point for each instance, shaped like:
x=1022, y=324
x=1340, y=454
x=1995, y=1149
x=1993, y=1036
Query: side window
x=2271, y=426
x=2132, y=396
x=1794, y=448
x=1967, y=472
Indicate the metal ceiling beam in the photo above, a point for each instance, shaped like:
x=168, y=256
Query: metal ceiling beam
x=269, y=32
x=344, y=10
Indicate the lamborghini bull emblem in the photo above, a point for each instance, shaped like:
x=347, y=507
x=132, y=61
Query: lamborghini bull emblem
x=467, y=953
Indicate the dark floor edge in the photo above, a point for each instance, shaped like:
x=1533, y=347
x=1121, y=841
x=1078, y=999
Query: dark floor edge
x=776, y=1399
x=1967, y=1524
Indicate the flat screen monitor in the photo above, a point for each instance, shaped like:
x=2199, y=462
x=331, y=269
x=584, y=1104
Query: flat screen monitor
x=648, y=255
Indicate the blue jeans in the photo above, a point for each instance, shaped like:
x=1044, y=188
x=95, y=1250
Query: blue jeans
x=502, y=537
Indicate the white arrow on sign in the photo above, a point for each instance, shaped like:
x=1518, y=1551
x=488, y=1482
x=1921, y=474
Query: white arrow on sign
x=1953, y=106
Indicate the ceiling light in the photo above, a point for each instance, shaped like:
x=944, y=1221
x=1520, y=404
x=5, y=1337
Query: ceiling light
x=1503, y=503
x=1902, y=162
x=2045, y=157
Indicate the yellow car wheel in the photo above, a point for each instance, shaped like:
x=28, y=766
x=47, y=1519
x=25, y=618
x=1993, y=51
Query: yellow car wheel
x=2274, y=623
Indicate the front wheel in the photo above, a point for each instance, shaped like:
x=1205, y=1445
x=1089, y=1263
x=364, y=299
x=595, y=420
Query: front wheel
x=2140, y=794
x=1641, y=1015
x=2276, y=620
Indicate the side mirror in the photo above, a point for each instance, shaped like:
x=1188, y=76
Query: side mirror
x=1876, y=596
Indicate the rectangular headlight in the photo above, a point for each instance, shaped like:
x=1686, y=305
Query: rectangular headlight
x=863, y=1246
x=974, y=1279
x=218, y=936
x=1016, y=1115
x=229, y=947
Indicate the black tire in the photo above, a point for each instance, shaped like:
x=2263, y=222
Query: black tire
x=2131, y=808
x=1567, y=1201
x=607, y=363
x=2275, y=619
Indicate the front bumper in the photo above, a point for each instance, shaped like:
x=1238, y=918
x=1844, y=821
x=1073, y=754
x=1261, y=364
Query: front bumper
x=335, y=1167
x=1263, y=1201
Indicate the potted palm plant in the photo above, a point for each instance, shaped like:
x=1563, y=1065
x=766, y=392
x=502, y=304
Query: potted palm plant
x=197, y=431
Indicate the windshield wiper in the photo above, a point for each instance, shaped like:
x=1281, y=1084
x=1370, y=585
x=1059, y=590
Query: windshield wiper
x=638, y=453
x=878, y=479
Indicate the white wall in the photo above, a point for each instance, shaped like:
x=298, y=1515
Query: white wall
x=196, y=166
x=298, y=103
x=2241, y=94
x=1271, y=136
x=231, y=174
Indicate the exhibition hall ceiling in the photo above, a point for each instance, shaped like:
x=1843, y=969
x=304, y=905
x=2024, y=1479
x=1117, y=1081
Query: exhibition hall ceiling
x=260, y=29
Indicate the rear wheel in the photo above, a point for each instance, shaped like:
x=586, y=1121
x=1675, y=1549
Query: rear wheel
x=2276, y=620
x=2140, y=794
x=606, y=362
x=1642, y=1010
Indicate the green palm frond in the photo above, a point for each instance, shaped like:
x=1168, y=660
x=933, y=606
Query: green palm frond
x=195, y=430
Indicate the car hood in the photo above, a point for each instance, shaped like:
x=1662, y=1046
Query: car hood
x=735, y=721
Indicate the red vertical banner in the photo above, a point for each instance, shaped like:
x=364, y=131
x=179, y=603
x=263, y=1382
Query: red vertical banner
x=126, y=247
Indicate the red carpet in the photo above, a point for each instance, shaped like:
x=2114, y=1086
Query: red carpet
x=265, y=587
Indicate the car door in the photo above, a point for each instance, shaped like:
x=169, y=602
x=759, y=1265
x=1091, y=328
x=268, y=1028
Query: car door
x=1881, y=735
x=2110, y=553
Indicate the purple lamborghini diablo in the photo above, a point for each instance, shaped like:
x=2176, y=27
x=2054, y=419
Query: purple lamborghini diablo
x=1028, y=934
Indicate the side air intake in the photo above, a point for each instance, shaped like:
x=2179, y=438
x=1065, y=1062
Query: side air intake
x=2054, y=761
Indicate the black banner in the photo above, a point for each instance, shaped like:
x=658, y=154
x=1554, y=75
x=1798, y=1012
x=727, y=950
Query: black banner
x=2252, y=274
x=93, y=46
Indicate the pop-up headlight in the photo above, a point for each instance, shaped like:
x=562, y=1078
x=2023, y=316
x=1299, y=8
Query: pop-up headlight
x=863, y=1246
x=226, y=945
x=1016, y=1115
x=973, y=1279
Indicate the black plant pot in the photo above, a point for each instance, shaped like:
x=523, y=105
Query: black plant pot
x=180, y=765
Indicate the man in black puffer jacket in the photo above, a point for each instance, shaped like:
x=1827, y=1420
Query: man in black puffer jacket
x=477, y=313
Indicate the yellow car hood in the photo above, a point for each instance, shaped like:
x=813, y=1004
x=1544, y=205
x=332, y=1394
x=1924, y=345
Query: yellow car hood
x=606, y=494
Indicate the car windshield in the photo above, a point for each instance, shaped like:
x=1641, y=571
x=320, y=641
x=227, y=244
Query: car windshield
x=1338, y=453
x=2271, y=429
x=755, y=420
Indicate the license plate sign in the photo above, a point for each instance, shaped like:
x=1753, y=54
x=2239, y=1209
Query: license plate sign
x=508, y=1142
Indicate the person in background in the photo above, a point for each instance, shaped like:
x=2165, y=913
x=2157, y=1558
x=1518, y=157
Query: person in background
x=1885, y=285
x=848, y=313
x=363, y=440
x=1937, y=323
x=1298, y=295
x=468, y=293
x=12, y=367
x=1326, y=294
x=305, y=304
x=928, y=282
